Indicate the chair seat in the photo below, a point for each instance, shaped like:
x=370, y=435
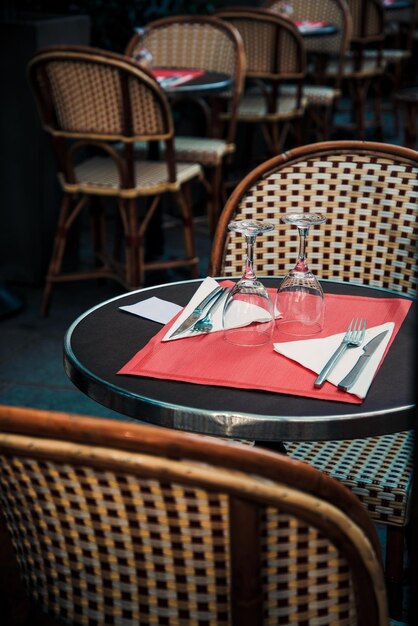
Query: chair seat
x=206, y=151
x=389, y=55
x=377, y=469
x=99, y=175
x=316, y=95
x=253, y=108
x=369, y=68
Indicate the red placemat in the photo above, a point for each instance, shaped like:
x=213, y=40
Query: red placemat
x=210, y=360
x=311, y=24
x=180, y=76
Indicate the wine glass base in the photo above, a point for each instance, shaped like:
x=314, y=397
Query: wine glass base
x=298, y=328
x=247, y=337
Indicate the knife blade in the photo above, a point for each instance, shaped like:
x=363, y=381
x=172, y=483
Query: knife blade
x=369, y=348
x=197, y=312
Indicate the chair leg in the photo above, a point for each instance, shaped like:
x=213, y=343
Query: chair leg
x=55, y=263
x=184, y=203
x=132, y=244
x=378, y=121
x=215, y=200
x=395, y=545
x=98, y=233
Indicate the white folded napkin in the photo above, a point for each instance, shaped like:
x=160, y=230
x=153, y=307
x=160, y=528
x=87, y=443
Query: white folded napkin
x=154, y=309
x=314, y=353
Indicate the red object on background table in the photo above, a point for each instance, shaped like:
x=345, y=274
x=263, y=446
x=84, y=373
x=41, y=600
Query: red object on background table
x=210, y=360
x=180, y=76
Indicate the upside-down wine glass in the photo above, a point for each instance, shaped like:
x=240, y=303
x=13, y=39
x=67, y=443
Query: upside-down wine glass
x=248, y=312
x=300, y=305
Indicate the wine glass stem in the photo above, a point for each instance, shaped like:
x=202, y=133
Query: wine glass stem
x=301, y=264
x=249, y=262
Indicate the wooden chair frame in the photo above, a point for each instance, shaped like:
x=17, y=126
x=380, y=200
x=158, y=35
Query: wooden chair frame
x=250, y=481
x=54, y=74
x=172, y=34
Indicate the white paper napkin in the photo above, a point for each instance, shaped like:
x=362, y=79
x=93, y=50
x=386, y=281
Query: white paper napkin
x=154, y=309
x=314, y=353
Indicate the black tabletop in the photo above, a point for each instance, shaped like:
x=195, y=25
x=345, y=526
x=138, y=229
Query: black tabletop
x=102, y=340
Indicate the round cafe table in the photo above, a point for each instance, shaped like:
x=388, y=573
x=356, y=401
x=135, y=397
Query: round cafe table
x=104, y=338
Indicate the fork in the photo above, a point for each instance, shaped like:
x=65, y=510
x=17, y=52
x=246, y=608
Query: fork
x=352, y=339
x=205, y=324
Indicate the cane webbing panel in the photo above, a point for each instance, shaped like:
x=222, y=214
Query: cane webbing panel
x=99, y=175
x=270, y=48
x=377, y=469
x=87, y=99
x=95, y=543
x=366, y=18
x=191, y=44
x=106, y=547
x=303, y=570
x=371, y=231
x=315, y=10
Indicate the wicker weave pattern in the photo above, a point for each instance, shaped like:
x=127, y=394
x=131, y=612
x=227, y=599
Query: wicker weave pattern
x=377, y=469
x=264, y=54
x=122, y=547
x=88, y=100
x=303, y=596
x=371, y=231
x=316, y=10
x=100, y=176
x=192, y=44
x=369, y=26
x=102, y=543
x=82, y=96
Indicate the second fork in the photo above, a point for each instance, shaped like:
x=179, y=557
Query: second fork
x=352, y=339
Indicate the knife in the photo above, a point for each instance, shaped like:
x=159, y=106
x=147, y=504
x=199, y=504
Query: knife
x=197, y=312
x=348, y=381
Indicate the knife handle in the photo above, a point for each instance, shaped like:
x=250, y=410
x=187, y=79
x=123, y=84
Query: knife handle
x=348, y=381
x=329, y=365
x=213, y=294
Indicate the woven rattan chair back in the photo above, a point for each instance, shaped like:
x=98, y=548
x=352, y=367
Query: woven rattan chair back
x=89, y=94
x=368, y=20
x=273, y=46
x=122, y=523
x=369, y=194
x=333, y=11
x=200, y=42
x=95, y=106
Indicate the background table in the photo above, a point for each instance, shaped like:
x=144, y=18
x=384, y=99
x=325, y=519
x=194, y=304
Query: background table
x=102, y=340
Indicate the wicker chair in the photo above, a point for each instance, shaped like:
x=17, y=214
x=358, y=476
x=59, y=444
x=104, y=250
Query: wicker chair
x=202, y=42
x=119, y=523
x=91, y=103
x=322, y=92
x=369, y=192
x=275, y=56
x=363, y=72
